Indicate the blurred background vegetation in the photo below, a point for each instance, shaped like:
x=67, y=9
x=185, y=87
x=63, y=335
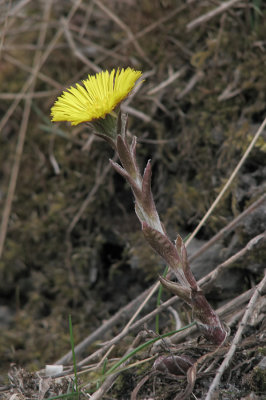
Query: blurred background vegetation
x=73, y=243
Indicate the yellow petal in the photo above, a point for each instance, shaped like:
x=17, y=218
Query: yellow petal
x=99, y=95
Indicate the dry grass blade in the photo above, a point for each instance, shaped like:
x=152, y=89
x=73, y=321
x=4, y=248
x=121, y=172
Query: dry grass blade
x=98, y=333
x=23, y=130
x=39, y=59
x=228, y=227
x=167, y=82
x=229, y=181
x=237, y=337
x=40, y=75
x=207, y=281
x=139, y=386
x=202, y=282
x=76, y=51
x=125, y=28
x=211, y=14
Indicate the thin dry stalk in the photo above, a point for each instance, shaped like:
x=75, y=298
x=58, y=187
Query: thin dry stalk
x=229, y=182
x=148, y=293
x=213, y=275
x=191, y=84
x=128, y=328
x=35, y=95
x=152, y=26
x=211, y=14
x=40, y=75
x=135, y=315
x=167, y=82
x=228, y=228
x=99, y=332
x=110, y=380
x=20, y=5
x=85, y=41
x=39, y=60
x=77, y=53
x=28, y=83
x=23, y=130
x=139, y=114
x=125, y=28
x=224, y=312
x=5, y=27
x=249, y=310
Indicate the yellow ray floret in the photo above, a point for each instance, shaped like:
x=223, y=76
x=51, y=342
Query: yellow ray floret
x=100, y=94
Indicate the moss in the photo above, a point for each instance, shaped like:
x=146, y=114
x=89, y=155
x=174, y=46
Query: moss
x=262, y=351
x=259, y=379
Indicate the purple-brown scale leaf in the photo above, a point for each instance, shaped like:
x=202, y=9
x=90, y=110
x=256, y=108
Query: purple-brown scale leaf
x=175, y=288
x=122, y=121
x=125, y=156
x=166, y=249
x=147, y=198
x=109, y=140
x=136, y=190
x=173, y=364
x=133, y=147
x=208, y=321
x=182, y=251
x=162, y=245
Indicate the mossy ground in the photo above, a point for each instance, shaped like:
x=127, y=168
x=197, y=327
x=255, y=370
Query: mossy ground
x=195, y=134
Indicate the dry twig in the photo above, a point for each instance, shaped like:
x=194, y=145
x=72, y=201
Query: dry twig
x=213, y=275
x=211, y=14
x=39, y=60
x=125, y=28
x=23, y=129
x=233, y=224
x=168, y=81
x=229, y=181
x=237, y=338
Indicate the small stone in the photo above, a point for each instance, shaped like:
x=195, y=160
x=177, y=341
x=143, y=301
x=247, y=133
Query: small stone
x=262, y=364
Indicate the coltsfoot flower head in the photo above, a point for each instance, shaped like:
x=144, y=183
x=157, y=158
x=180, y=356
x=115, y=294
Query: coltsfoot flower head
x=99, y=96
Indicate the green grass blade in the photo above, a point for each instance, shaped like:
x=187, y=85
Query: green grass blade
x=73, y=352
x=159, y=296
x=142, y=346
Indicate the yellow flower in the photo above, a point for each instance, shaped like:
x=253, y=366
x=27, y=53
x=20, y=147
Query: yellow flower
x=99, y=96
